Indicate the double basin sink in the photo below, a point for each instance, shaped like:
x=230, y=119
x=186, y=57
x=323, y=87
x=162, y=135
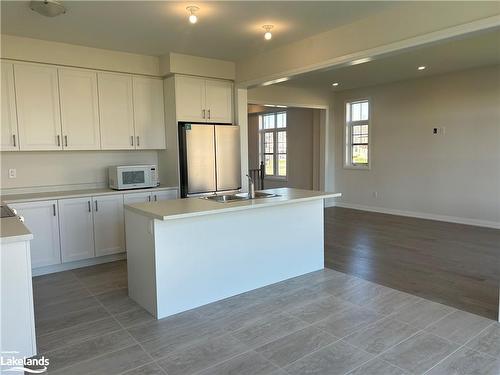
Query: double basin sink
x=226, y=198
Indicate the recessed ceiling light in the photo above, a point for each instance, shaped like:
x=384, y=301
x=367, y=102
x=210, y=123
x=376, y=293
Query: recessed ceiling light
x=335, y=84
x=48, y=8
x=422, y=67
x=267, y=34
x=193, y=18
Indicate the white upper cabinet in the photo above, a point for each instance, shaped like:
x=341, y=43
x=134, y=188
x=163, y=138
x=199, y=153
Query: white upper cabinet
x=219, y=101
x=37, y=102
x=109, y=227
x=116, y=111
x=149, y=114
x=203, y=100
x=41, y=218
x=190, y=99
x=9, y=137
x=76, y=229
x=79, y=109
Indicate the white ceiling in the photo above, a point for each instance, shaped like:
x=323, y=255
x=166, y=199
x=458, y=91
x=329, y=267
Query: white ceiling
x=471, y=51
x=226, y=30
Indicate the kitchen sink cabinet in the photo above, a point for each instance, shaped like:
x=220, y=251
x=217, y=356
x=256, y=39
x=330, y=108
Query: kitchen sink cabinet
x=76, y=229
x=109, y=227
x=42, y=220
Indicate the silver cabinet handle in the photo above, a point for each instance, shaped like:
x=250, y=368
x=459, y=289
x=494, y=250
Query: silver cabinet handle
x=203, y=111
x=149, y=198
x=14, y=139
x=96, y=207
x=209, y=114
x=58, y=140
x=90, y=208
x=66, y=141
x=156, y=198
x=138, y=144
x=54, y=209
x=131, y=140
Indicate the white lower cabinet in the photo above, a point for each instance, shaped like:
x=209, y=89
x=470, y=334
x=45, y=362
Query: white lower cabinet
x=163, y=195
x=76, y=228
x=132, y=198
x=109, y=226
x=42, y=220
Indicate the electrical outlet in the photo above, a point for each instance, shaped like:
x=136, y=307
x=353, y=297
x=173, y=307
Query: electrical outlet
x=442, y=130
x=375, y=194
x=435, y=131
x=12, y=173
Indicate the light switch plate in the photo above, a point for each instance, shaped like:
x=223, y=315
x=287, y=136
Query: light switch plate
x=12, y=173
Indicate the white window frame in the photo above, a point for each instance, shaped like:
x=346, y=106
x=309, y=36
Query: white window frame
x=348, y=135
x=275, y=132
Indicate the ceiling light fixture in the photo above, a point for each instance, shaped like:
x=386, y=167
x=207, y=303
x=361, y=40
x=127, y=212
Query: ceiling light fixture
x=361, y=61
x=274, y=81
x=193, y=18
x=267, y=34
x=48, y=8
x=422, y=67
x=335, y=84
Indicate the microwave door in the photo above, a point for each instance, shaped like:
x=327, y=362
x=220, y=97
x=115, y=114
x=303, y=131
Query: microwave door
x=228, y=164
x=200, y=158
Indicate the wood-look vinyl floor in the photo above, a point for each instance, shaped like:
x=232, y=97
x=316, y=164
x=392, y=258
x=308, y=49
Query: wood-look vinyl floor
x=454, y=264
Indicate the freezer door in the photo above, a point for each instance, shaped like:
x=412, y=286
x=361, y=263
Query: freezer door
x=227, y=151
x=200, y=158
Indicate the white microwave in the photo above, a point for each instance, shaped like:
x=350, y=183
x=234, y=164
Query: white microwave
x=133, y=177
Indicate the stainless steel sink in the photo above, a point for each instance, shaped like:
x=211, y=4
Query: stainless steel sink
x=226, y=198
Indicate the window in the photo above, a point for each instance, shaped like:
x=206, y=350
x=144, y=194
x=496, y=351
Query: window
x=273, y=146
x=357, y=134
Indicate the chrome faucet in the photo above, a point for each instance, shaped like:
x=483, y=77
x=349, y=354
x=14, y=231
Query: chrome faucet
x=251, y=188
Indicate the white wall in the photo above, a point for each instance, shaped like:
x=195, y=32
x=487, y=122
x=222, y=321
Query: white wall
x=455, y=176
x=56, y=168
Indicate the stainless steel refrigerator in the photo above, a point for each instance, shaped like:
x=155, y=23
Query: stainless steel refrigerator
x=209, y=158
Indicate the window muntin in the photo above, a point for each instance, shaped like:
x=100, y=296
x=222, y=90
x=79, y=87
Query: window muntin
x=273, y=143
x=357, y=146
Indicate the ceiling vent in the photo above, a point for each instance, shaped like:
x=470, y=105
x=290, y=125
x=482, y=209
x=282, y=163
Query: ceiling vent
x=48, y=8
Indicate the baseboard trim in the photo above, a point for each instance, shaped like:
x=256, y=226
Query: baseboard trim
x=419, y=215
x=77, y=264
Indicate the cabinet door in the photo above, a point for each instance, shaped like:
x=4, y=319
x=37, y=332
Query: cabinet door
x=190, y=99
x=164, y=195
x=132, y=198
x=76, y=228
x=41, y=218
x=109, y=226
x=116, y=111
x=9, y=140
x=219, y=101
x=79, y=109
x=37, y=102
x=149, y=115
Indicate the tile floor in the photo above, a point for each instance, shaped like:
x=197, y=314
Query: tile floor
x=325, y=322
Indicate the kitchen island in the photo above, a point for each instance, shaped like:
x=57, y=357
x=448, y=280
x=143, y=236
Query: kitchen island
x=186, y=253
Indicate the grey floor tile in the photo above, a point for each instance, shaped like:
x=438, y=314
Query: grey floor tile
x=467, y=362
x=268, y=329
x=117, y=301
x=362, y=293
x=488, y=341
x=134, y=317
x=70, y=319
x=64, y=307
x=202, y=355
x=113, y=363
x=381, y=336
x=292, y=347
x=319, y=309
x=377, y=367
x=419, y=353
x=339, y=284
x=347, y=321
x=72, y=354
x=422, y=313
x=75, y=334
x=57, y=294
x=459, y=326
x=249, y=363
x=57, y=278
x=99, y=269
x=390, y=302
x=338, y=358
x=149, y=369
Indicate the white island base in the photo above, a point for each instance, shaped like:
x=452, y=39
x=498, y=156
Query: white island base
x=187, y=253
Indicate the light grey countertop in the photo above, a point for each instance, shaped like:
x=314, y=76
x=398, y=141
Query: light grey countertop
x=42, y=196
x=13, y=230
x=190, y=207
